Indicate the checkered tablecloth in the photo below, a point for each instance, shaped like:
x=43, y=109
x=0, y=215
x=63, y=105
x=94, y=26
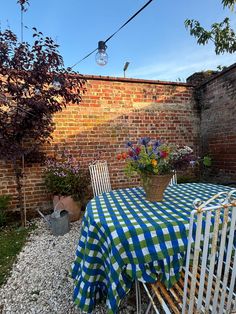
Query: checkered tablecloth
x=125, y=237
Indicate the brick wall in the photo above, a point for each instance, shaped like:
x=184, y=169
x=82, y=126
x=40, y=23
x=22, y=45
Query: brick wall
x=112, y=112
x=217, y=100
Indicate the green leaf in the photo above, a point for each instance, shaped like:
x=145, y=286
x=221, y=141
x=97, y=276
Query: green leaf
x=207, y=161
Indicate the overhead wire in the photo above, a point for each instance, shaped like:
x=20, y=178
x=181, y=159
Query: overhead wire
x=123, y=25
x=89, y=54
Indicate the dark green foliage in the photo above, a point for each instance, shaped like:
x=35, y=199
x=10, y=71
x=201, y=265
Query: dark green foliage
x=64, y=176
x=4, y=203
x=221, y=34
x=71, y=184
x=23, y=5
x=187, y=179
x=229, y=3
x=207, y=161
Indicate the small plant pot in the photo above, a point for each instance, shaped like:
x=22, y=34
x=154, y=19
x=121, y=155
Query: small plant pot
x=70, y=205
x=155, y=185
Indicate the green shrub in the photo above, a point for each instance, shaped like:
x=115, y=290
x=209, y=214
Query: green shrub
x=4, y=203
x=207, y=161
x=186, y=179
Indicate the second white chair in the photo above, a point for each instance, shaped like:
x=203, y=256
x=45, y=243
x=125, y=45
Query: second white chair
x=100, y=178
x=173, y=180
x=208, y=281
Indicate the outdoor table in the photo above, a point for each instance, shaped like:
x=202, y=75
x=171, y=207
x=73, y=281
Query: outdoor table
x=125, y=237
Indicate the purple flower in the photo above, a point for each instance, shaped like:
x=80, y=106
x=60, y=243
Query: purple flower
x=129, y=144
x=145, y=140
x=156, y=144
x=135, y=157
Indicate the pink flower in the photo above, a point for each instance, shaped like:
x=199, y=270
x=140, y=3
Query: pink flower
x=163, y=154
x=138, y=150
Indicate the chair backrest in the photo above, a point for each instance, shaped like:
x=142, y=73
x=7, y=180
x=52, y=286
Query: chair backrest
x=100, y=178
x=173, y=180
x=210, y=273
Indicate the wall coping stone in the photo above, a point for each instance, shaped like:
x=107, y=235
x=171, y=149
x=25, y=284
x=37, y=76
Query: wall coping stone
x=133, y=80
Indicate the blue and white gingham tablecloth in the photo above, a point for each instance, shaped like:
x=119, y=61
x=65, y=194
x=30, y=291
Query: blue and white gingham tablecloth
x=125, y=237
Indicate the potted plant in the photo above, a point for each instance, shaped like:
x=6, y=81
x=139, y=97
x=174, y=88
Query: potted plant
x=155, y=161
x=67, y=182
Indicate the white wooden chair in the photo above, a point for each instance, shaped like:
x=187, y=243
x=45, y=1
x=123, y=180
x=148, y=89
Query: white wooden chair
x=100, y=178
x=208, y=282
x=173, y=180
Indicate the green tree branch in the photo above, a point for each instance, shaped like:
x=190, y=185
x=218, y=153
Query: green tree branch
x=221, y=34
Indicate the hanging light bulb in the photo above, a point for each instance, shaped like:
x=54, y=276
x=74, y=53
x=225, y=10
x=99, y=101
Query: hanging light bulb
x=101, y=56
x=56, y=84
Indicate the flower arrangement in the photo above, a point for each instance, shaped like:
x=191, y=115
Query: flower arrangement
x=64, y=177
x=155, y=157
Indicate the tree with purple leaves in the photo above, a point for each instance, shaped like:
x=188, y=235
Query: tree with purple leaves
x=34, y=85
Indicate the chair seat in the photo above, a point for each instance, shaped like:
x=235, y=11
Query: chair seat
x=168, y=300
x=171, y=301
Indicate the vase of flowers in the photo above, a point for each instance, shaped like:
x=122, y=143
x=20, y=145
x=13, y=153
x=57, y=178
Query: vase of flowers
x=155, y=161
x=155, y=185
x=67, y=182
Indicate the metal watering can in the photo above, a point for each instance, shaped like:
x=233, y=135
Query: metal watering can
x=58, y=221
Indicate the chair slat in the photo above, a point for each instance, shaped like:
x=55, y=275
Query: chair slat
x=220, y=258
x=168, y=298
x=99, y=178
x=92, y=179
x=187, y=262
x=233, y=276
x=161, y=300
x=204, y=261
x=197, y=249
x=173, y=180
x=228, y=259
x=103, y=178
x=212, y=259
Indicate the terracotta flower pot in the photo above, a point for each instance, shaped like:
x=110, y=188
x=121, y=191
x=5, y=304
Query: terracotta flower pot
x=155, y=185
x=67, y=203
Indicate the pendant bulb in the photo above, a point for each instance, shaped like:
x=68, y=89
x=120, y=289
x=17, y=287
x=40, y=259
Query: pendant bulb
x=101, y=56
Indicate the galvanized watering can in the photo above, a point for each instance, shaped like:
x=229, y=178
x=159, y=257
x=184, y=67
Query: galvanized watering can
x=58, y=221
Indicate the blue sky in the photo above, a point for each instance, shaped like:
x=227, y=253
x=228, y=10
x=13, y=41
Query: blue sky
x=155, y=43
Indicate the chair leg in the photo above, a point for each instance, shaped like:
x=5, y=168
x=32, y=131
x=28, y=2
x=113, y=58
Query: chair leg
x=148, y=308
x=138, y=297
x=151, y=304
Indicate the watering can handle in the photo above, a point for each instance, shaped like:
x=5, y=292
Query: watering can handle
x=59, y=210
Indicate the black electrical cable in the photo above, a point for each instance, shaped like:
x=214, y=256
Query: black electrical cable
x=133, y=16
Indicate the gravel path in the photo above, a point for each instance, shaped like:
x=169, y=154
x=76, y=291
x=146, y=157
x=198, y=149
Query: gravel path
x=40, y=281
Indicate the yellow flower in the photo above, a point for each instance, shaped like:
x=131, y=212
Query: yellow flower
x=154, y=162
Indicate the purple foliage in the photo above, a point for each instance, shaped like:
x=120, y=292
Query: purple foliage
x=28, y=99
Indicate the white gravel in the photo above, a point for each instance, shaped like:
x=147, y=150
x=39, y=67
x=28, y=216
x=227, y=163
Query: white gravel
x=40, y=280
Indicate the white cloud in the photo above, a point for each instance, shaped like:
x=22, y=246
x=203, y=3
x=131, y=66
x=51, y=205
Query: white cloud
x=172, y=67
